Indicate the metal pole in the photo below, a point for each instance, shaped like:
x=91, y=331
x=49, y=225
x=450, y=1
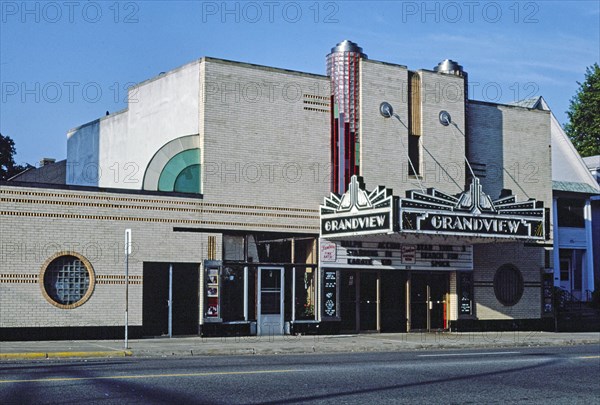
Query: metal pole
x=245, y=293
x=293, y=255
x=170, y=300
x=294, y=294
x=127, y=251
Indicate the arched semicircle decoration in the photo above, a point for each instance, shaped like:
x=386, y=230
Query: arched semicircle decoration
x=181, y=173
x=175, y=166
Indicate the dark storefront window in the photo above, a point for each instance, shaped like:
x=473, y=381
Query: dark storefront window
x=570, y=212
x=232, y=293
x=251, y=251
x=233, y=248
x=274, y=251
x=305, y=294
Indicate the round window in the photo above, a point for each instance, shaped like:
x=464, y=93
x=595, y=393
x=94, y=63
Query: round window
x=67, y=280
x=508, y=285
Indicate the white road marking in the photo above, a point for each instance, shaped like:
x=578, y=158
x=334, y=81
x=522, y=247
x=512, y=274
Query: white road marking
x=466, y=354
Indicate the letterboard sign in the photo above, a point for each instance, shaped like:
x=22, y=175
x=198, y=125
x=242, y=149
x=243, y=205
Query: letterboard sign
x=393, y=255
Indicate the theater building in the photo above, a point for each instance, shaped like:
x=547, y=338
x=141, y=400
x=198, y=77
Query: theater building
x=261, y=200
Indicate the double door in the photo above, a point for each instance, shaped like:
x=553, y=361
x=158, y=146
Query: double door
x=359, y=301
x=428, y=301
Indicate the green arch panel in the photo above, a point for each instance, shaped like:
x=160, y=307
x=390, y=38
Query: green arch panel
x=180, y=173
x=188, y=180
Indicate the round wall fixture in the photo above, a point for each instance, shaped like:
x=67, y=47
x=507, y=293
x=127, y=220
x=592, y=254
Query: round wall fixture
x=445, y=118
x=386, y=109
x=508, y=285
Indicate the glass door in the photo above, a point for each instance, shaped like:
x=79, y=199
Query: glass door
x=358, y=301
x=438, y=290
x=428, y=301
x=348, y=301
x=368, y=301
x=270, y=300
x=419, y=302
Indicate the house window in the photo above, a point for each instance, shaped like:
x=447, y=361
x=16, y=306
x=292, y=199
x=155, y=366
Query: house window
x=508, y=285
x=67, y=280
x=570, y=212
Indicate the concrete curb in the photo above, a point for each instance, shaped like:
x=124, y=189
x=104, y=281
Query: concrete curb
x=257, y=350
x=57, y=355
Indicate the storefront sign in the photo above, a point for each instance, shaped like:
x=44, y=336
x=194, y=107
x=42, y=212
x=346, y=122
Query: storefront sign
x=358, y=212
x=328, y=251
x=465, y=293
x=472, y=213
x=391, y=255
x=330, y=294
x=409, y=254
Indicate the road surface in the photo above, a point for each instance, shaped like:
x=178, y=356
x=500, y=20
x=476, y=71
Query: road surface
x=569, y=375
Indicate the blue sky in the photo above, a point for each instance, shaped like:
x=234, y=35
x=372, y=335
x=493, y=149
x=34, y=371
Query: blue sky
x=63, y=64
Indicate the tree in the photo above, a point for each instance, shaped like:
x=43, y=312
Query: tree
x=8, y=167
x=583, y=127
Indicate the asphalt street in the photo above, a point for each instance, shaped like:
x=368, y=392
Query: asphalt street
x=545, y=375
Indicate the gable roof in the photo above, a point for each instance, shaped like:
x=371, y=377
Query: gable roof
x=537, y=103
x=569, y=172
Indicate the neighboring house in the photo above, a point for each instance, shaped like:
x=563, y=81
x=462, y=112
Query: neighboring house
x=573, y=189
x=593, y=165
x=49, y=171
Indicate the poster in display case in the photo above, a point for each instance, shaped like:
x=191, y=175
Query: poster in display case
x=212, y=291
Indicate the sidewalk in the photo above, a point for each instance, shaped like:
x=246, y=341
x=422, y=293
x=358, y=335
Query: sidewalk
x=198, y=346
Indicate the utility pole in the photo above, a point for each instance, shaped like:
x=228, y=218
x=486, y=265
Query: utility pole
x=127, y=253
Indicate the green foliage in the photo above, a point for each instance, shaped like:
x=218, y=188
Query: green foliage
x=584, y=114
x=8, y=167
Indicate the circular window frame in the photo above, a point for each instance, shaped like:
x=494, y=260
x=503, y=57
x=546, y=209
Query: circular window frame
x=88, y=266
x=521, y=285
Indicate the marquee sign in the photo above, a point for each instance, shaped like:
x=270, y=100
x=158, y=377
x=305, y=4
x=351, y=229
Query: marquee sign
x=472, y=213
x=358, y=211
x=386, y=255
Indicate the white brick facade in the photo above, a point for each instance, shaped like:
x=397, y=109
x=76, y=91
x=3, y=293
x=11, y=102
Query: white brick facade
x=264, y=137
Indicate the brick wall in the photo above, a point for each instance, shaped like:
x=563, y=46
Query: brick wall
x=487, y=259
x=265, y=136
